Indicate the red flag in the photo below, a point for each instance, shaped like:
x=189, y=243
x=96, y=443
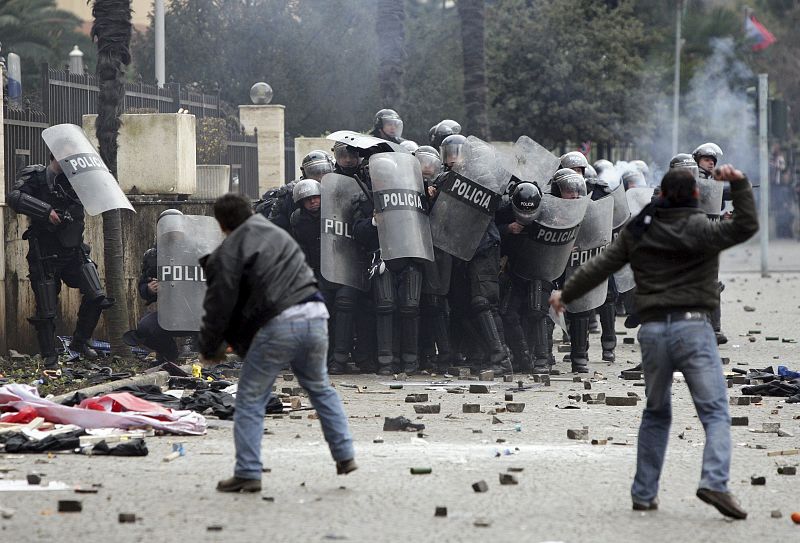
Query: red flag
x=762, y=37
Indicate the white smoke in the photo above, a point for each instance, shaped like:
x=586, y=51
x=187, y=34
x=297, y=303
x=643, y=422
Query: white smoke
x=717, y=108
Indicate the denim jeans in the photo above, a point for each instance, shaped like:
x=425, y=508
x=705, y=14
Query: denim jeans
x=688, y=346
x=302, y=344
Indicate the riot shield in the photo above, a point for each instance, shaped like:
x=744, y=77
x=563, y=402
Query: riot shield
x=365, y=141
x=96, y=188
x=436, y=274
x=593, y=237
x=400, y=206
x=547, y=242
x=621, y=212
x=467, y=200
x=638, y=198
x=710, y=196
x=342, y=260
x=532, y=162
x=182, y=241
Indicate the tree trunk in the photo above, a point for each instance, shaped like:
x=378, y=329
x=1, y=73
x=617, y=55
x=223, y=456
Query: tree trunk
x=112, y=33
x=390, y=28
x=476, y=89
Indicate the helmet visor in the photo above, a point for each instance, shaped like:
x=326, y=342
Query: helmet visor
x=452, y=153
x=430, y=164
x=317, y=169
x=393, y=127
x=346, y=157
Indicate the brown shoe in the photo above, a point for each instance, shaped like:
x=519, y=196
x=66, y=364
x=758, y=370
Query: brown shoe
x=723, y=501
x=343, y=467
x=652, y=505
x=237, y=484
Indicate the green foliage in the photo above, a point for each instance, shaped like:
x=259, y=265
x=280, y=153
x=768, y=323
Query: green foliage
x=39, y=32
x=564, y=70
x=211, y=135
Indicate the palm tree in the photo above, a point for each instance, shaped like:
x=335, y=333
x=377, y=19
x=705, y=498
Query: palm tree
x=390, y=28
x=471, y=13
x=112, y=32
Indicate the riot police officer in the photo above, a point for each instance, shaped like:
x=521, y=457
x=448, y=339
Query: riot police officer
x=57, y=254
x=441, y=130
x=277, y=204
x=388, y=126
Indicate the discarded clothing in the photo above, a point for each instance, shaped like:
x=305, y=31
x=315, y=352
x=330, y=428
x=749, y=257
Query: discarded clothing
x=220, y=403
x=132, y=447
x=17, y=442
x=17, y=396
x=401, y=424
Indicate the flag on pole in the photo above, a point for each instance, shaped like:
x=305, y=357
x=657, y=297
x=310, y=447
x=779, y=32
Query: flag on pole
x=754, y=30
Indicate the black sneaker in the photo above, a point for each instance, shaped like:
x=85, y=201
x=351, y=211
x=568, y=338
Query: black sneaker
x=608, y=356
x=83, y=349
x=652, y=505
x=721, y=338
x=237, y=484
x=723, y=501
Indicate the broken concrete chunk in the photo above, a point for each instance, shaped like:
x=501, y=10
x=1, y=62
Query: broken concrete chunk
x=414, y=398
x=478, y=389
x=784, y=433
x=508, y=479
x=515, y=407
x=749, y=308
x=620, y=401
x=599, y=397
x=400, y=424
x=599, y=442
x=428, y=409
x=758, y=481
x=583, y=433
x=587, y=385
x=421, y=471
x=440, y=511
x=740, y=421
x=509, y=397
x=471, y=408
x=495, y=420
x=486, y=375
x=480, y=486
x=776, y=514
x=34, y=479
x=787, y=470
x=770, y=427
x=508, y=378
x=629, y=340
x=125, y=518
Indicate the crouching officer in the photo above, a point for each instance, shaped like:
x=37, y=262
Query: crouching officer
x=56, y=253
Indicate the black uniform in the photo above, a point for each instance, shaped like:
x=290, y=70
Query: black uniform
x=57, y=253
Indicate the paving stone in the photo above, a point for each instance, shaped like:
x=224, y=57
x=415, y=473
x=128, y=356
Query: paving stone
x=514, y=469
x=583, y=433
x=629, y=340
x=414, y=398
x=758, y=481
x=772, y=338
x=508, y=378
x=486, y=375
x=509, y=397
x=471, y=408
x=34, y=479
x=495, y=420
x=395, y=386
x=787, y=470
x=587, y=385
x=421, y=471
x=480, y=486
x=740, y=421
x=599, y=442
x=726, y=360
x=770, y=427
x=508, y=479
x=70, y=506
x=478, y=389
x=784, y=433
x=776, y=514
x=621, y=401
x=125, y=518
x=440, y=511
x=739, y=380
x=515, y=407
x=600, y=396
x=631, y=375
x=428, y=409
x=749, y=308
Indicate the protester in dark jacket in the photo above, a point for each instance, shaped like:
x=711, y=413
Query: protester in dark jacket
x=674, y=251
x=263, y=300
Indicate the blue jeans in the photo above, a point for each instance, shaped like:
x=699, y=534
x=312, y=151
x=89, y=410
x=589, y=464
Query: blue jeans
x=303, y=344
x=688, y=346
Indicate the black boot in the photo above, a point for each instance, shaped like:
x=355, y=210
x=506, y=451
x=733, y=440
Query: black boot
x=608, y=338
x=579, y=350
x=409, y=340
x=542, y=345
x=81, y=346
x=499, y=362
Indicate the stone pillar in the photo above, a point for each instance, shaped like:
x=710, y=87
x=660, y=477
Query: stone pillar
x=3, y=212
x=268, y=120
x=303, y=146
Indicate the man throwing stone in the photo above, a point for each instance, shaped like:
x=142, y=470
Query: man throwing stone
x=673, y=250
x=262, y=299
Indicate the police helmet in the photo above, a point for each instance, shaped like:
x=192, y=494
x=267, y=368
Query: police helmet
x=168, y=212
x=346, y=157
x=440, y=131
x=602, y=164
x=590, y=174
x=710, y=150
x=316, y=164
x=305, y=188
x=567, y=183
x=525, y=201
x=642, y=166
x=390, y=122
x=685, y=161
x=409, y=145
x=429, y=161
x=452, y=149
x=574, y=159
x=633, y=178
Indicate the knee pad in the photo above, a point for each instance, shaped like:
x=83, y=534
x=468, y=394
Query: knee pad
x=480, y=304
x=344, y=301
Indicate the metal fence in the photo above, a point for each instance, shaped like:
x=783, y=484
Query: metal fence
x=67, y=97
x=242, y=156
x=23, y=140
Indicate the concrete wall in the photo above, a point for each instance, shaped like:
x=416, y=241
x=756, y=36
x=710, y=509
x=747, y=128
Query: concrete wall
x=269, y=121
x=157, y=152
x=303, y=146
x=138, y=234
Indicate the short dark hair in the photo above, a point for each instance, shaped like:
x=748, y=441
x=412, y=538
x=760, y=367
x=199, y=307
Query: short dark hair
x=678, y=186
x=231, y=210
